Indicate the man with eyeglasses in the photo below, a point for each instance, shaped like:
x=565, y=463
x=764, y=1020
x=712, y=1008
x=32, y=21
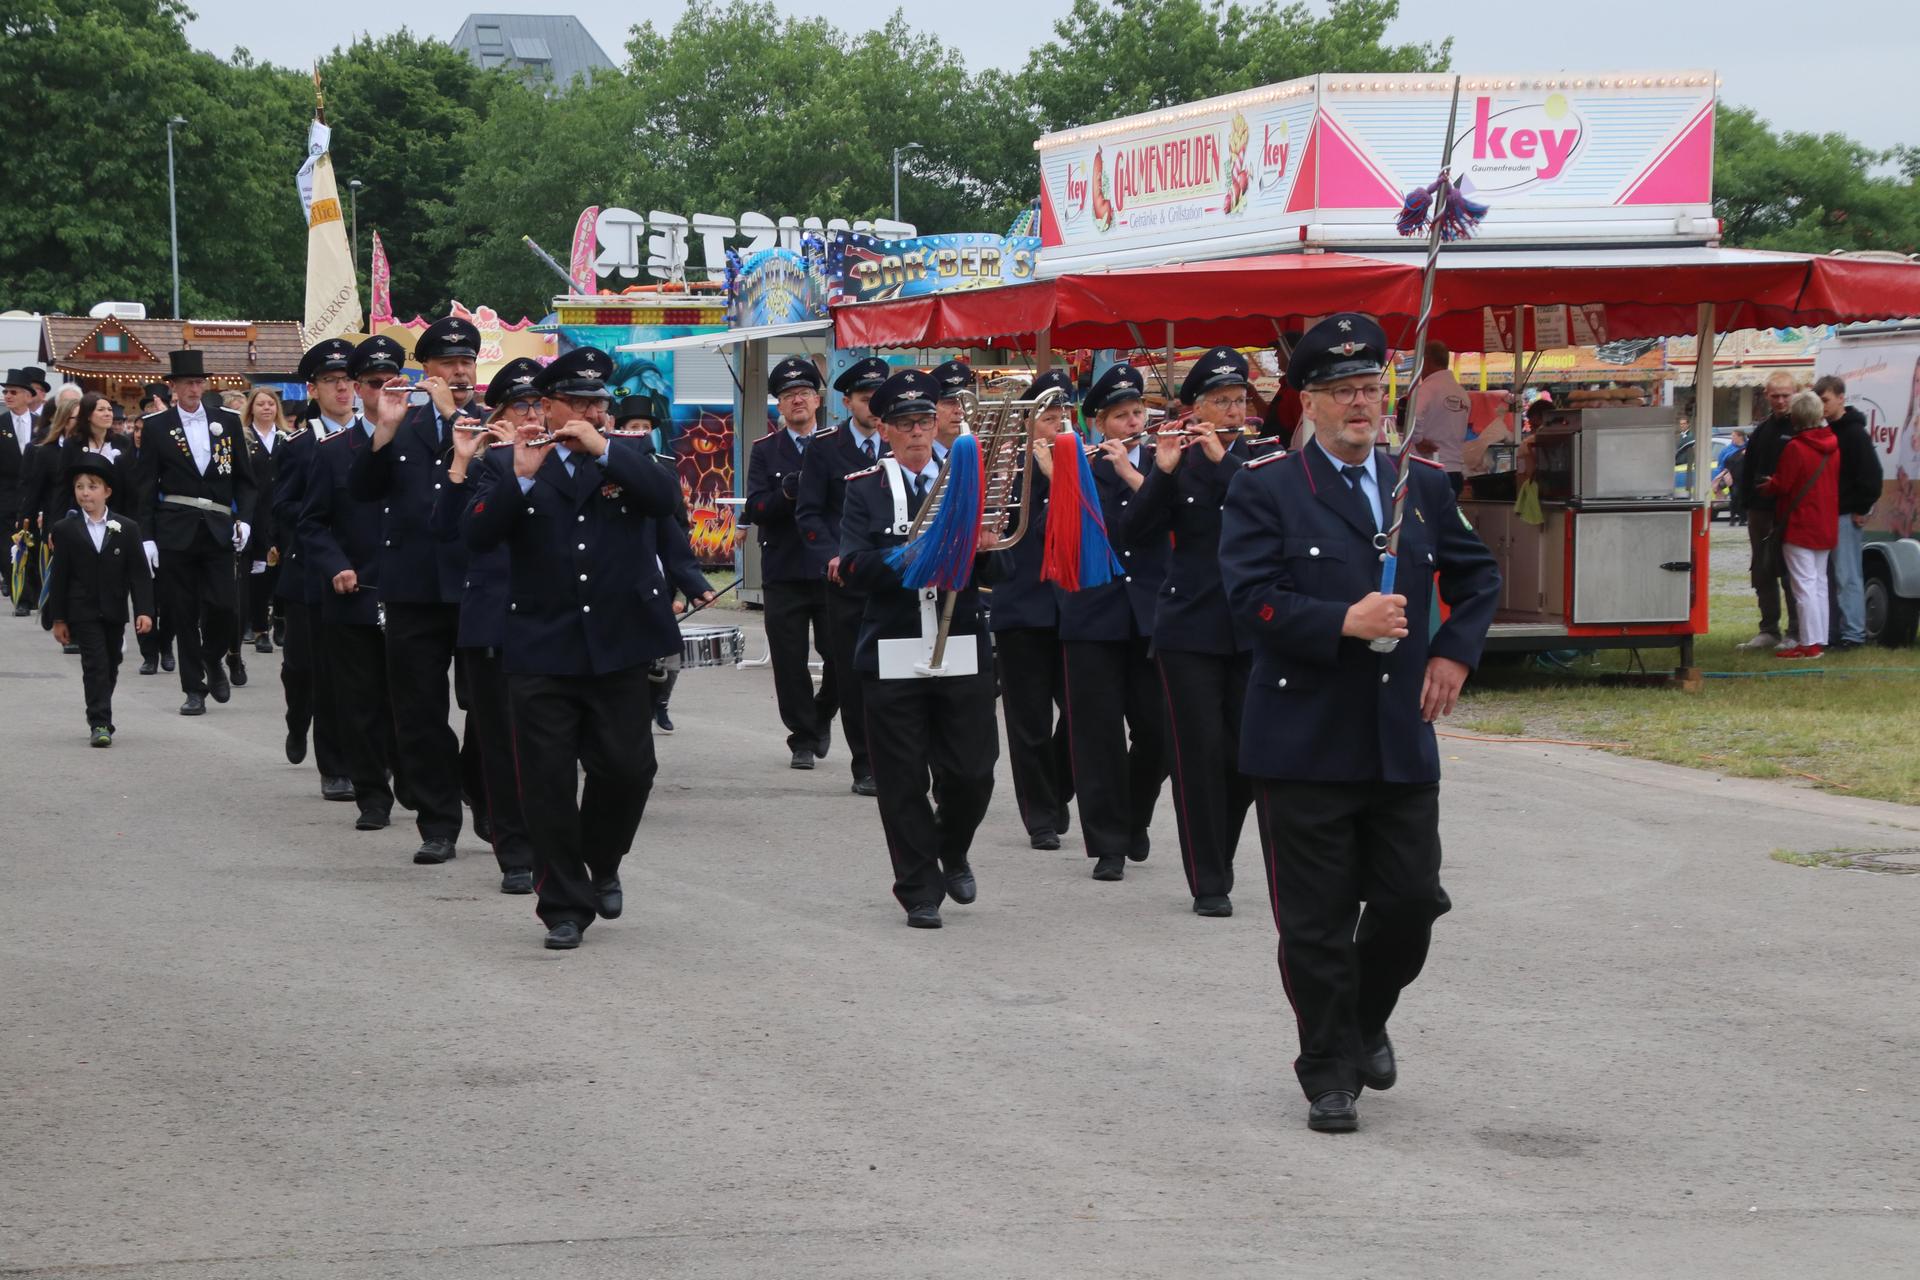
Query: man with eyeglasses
x=950, y=410
x=1338, y=735
x=1201, y=650
x=1766, y=568
x=928, y=734
x=793, y=583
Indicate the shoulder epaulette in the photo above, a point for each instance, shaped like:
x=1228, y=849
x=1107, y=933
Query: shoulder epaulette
x=821, y=433
x=149, y=417
x=338, y=435
x=1264, y=459
x=873, y=470
x=1429, y=461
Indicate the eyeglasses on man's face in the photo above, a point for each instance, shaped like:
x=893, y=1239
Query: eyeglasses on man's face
x=1368, y=392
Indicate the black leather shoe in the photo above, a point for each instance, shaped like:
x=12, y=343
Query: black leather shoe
x=611, y=901
x=217, y=685
x=518, y=880
x=433, y=851
x=1333, y=1112
x=821, y=747
x=1213, y=905
x=923, y=917
x=195, y=705
x=1142, y=846
x=1044, y=839
x=246, y=636
x=371, y=820
x=1110, y=869
x=802, y=759
x=21, y=611
x=296, y=747
x=336, y=788
x=564, y=936
x=1378, y=1070
x=166, y=662
x=865, y=786
x=150, y=667
x=263, y=643
x=239, y=669
x=960, y=885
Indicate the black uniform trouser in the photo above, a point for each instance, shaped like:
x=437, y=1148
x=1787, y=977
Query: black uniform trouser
x=420, y=655
x=1331, y=846
x=1033, y=700
x=1205, y=694
x=1116, y=723
x=160, y=639
x=791, y=608
x=1767, y=570
x=259, y=588
x=307, y=682
x=933, y=732
x=356, y=663
x=844, y=610
x=100, y=644
x=197, y=595
x=562, y=724
x=490, y=733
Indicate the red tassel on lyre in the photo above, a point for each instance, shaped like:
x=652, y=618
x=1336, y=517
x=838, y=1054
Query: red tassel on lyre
x=1060, y=558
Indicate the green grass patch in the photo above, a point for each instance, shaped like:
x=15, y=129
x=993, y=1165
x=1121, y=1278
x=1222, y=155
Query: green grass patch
x=1797, y=859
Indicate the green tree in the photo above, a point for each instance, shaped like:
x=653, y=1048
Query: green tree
x=1114, y=58
x=1808, y=192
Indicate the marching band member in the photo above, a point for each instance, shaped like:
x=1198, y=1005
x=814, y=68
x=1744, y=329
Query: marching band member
x=923, y=731
x=1115, y=718
x=341, y=545
x=483, y=628
x=1339, y=736
x=587, y=613
x=955, y=378
x=1024, y=613
x=193, y=478
x=1202, y=654
x=421, y=577
x=835, y=455
x=794, y=587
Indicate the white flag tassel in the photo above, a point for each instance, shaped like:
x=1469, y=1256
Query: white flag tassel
x=319, y=136
x=333, y=294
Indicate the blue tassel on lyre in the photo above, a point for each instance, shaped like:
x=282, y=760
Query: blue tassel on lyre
x=942, y=554
x=1458, y=214
x=1077, y=554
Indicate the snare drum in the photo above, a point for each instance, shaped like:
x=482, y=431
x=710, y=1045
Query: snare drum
x=712, y=646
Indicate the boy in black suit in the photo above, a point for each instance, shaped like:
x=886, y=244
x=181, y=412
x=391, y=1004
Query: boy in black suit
x=97, y=564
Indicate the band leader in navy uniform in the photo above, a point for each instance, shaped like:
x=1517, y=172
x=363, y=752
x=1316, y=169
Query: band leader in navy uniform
x=1202, y=653
x=928, y=734
x=1115, y=713
x=588, y=611
x=1340, y=737
x=835, y=454
x=793, y=581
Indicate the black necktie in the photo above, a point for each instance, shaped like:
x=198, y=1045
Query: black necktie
x=921, y=483
x=866, y=447
x=1354, y=476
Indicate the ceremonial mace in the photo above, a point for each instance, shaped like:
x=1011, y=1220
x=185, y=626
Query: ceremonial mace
x=1449, y=215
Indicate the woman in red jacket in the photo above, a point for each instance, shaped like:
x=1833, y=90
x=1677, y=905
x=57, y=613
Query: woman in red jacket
x=1806, y=486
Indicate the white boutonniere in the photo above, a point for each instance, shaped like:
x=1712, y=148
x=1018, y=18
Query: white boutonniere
x=213, y=429
x=113, y=526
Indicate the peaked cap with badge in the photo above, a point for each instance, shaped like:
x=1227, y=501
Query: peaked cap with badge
x=1346, y=345
x=863, y=375
x=451, y=337
x=909, y=391
x=794, y=371
x=1220, y=367
x=1119, y=384
x=330, y=355
x=953, y=377
x=378, y=354
x=581, y=372
x=514, y=381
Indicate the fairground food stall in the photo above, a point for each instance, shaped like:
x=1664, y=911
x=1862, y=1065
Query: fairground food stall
x=1599, y=229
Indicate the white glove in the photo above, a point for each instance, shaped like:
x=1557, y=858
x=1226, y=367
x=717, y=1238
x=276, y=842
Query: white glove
x=259, y=566
x=153, y=554
x=240, y=531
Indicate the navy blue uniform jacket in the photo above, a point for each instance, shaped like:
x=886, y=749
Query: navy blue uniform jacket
x=338, y=533
x=1021, y=599
x=585, y=592
x=1122, y=609
x=405, y=478
x=773, y=499
x=293, y=462
x=834, y=455
x=1296, y=549
x=1191, y=614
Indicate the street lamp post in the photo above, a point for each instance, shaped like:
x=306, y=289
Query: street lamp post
x=173, y=215
x=897, y=153
x=353, y=192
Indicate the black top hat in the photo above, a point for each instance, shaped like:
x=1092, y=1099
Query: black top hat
x=378, y=354
x=581, y=372
x=38, y=377
x=189, y=363
x=634, y=409
x=20, y=378
x=1220, y=367
x=792, y=372
x=1052, y=380
x=86, y=462
x=1119, y=384
x=333, y=355
x=953, y=377
x=1346, y=345
x=448, y=338
x=906, y=392
x=862, y=375
x=515, y=381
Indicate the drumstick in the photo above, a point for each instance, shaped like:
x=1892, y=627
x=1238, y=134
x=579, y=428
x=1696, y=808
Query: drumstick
x=716, y=597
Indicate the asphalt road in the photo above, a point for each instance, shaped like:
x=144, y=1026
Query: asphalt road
x=239, y=1040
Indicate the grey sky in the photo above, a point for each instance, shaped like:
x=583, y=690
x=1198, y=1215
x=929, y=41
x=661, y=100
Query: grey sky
x=1844, y=67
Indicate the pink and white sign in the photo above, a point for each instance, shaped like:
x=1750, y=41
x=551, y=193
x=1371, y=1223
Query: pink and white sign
x=1327, y=161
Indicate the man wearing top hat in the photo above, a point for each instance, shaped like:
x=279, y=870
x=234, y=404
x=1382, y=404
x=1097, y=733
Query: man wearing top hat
x=17, y=431
x=955, y=380
x=423, y=577
x=1338, y=736
x=835, y=454
x=588, y=611
x=194, y=478
x=791, y=574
